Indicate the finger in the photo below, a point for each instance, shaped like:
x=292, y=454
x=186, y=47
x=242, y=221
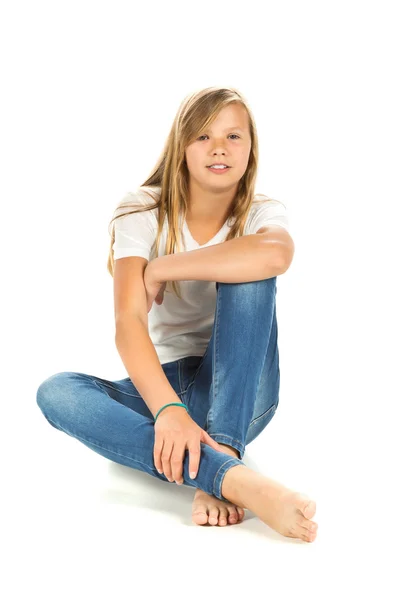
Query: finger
x=158, y=446
x=166, y=460
x=177, y=459
x=208, y=440
x=194, y=459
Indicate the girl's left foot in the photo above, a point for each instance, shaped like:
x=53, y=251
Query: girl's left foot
x=282, y=509
x=209, y=510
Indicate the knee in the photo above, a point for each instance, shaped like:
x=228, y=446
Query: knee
x=50, y=391
x=249, y=286
x=255, y=292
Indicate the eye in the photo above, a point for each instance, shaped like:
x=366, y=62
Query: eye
x=234, y=134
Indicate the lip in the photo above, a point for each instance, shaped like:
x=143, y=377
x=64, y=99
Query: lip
x=218, y=171
x=218, y=164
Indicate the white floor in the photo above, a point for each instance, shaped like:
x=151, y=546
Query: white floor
x=77, y=525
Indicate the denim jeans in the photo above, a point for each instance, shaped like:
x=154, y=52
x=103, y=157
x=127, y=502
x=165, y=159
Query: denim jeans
x=232, y=392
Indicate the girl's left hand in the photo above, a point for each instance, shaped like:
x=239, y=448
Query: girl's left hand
x=154, y=288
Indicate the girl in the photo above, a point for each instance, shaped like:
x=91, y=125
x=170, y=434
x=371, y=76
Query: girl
x=202, y=359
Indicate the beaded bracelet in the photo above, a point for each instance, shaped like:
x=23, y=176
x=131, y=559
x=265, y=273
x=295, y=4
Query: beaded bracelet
x=170, y=404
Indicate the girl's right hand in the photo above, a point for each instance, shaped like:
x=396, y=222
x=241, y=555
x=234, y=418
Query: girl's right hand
x=175, y=431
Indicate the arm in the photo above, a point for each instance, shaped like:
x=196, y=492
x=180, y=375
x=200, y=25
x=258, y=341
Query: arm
x=248, y=258
x=140, y=359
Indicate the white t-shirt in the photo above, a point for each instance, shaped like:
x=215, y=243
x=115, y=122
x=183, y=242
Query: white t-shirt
x=180, y=328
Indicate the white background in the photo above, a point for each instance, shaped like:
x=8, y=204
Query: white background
x=89, y=92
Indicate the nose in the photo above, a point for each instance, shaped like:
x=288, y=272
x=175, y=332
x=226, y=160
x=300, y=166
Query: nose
x=219, y=151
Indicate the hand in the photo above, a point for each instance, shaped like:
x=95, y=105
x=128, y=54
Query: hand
x=154, y=287
x=175, y=431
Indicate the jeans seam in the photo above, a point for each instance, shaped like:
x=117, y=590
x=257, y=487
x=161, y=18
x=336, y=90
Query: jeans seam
x=214, y=368
x=180, y=368
x=263, y=414
x=197, y=370
x=230, y=438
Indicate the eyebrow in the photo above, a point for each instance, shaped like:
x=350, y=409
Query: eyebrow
x=229, y=128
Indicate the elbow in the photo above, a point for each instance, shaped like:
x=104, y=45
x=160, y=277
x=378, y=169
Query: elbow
x=285, y=254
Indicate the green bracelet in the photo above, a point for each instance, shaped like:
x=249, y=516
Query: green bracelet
x=170, y=404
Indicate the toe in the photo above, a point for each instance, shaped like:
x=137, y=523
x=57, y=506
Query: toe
x=223, y=514
x=310, y=526
x=298, y=533
x=233, y=515
x=304, y=534
x=213, y=515
x=240, y=512
x=200, y=518
x=199, y=515
x=306, y=506
x=309, y=537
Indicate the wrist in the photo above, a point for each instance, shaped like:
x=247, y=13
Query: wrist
x=155, y=270
x=170, y=408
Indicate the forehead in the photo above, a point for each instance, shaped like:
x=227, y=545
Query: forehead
x=231, y=117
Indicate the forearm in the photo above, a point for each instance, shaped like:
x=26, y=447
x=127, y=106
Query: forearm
x=143, y=366
x=247, y=258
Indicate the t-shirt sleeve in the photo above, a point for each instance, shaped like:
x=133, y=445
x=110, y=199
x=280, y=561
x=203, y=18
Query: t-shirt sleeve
x=265, y=213
x=135, y=233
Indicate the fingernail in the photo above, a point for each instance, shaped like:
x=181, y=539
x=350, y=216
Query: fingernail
x=159, y=471
x=192, y=475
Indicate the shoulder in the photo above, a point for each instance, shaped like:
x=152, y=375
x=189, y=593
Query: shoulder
x=263, y=201
x=265, y=206
x=142, y=197
x=265, y=212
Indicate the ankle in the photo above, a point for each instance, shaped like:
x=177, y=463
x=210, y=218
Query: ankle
x=234, y=485
x=230, y=450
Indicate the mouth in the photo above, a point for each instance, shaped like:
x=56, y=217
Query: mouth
x=218, y=169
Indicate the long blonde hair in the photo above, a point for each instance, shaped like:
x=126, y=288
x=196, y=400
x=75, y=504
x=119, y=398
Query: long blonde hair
x=196, y=112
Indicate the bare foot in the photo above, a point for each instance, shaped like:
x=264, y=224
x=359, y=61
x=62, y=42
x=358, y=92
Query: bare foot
x=282, y=509
x=210, y=510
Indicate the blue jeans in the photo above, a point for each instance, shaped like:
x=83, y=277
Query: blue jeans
x=232, y=392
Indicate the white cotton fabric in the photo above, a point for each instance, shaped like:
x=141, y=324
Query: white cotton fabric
x=180, y=328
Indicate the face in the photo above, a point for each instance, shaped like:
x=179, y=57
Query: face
x=227, y=141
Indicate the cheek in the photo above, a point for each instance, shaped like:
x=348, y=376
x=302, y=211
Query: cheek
x=194, y=159
x=245, y=155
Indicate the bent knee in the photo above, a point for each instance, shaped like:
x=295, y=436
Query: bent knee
x=52, y=390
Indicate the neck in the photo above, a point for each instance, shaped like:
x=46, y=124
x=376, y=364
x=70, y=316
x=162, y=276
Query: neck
x=210, y=205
